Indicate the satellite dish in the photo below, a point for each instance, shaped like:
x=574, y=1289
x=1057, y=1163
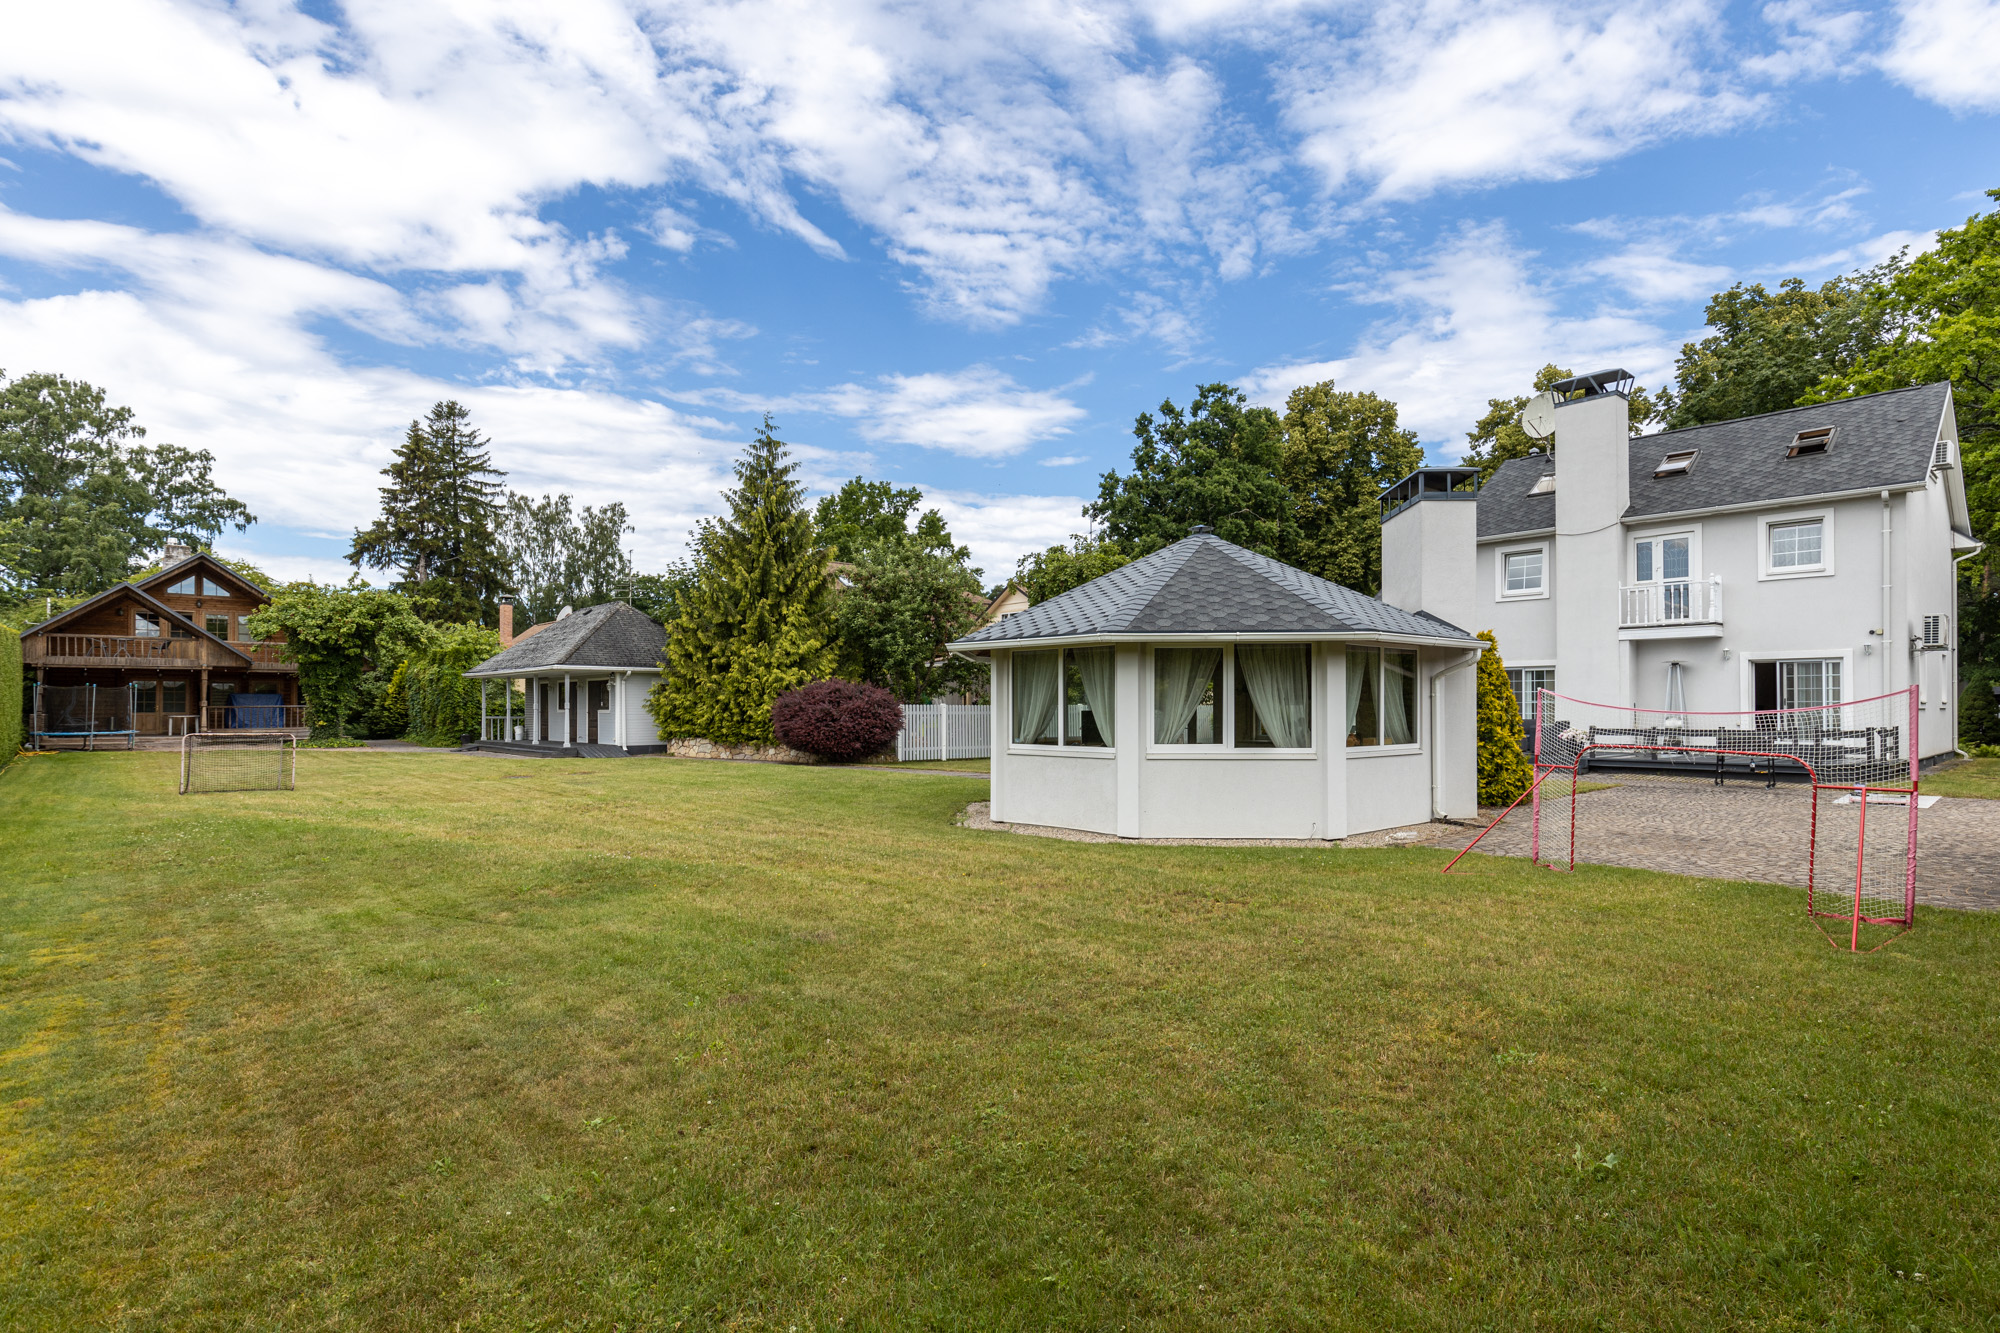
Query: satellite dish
x=1538, y=418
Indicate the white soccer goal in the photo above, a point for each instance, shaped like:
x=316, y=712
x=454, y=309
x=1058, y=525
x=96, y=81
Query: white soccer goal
x=239, y=761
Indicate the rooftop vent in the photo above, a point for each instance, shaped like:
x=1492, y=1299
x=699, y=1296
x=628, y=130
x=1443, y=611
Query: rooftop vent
x=1591, y=385
x=1544, y=485
x=1201, y=530
x=1942, y=457
x=1677, y=463
x=1810, y=442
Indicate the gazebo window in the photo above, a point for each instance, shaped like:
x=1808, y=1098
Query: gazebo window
x=1267, y=689
x=1381, y=697
x=1065, y=698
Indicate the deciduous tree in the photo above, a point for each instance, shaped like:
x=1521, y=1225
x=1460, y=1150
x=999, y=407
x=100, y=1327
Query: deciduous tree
x=1340, y=449
x=336, y=634
x=558, y=554
x=1051, y=573
x=1215, y=464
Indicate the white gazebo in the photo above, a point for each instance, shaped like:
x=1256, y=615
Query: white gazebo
x=584, y=677
x=1206, y=691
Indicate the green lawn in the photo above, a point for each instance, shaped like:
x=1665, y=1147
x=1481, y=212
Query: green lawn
x=441, y=1041
x=1970, y=777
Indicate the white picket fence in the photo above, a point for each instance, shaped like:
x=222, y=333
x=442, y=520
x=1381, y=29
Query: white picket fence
x=946, y=731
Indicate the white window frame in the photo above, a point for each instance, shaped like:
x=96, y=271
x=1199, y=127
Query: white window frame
x=1767, y=572
x=1227, y=748
x=1062, y=745
x=1381, y=680
x=1500, y=555
x=1850, y=688
x=1550, y=667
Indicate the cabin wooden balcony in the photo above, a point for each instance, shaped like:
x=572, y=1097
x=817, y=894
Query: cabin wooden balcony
x=116, y=650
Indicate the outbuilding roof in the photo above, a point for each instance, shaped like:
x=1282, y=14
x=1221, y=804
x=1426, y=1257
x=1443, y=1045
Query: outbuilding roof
x=1880, y=441
x=1204, y=585
x=611, y=634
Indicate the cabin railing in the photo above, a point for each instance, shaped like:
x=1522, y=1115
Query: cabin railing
x=254, y=717
x=114, y=648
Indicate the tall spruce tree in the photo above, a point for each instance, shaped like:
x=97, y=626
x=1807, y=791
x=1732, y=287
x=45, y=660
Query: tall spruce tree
x=438, y=516
x=756, y=621
x=1504, y=769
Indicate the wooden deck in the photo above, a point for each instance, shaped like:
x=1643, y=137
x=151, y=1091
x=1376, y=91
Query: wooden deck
x=113, y=650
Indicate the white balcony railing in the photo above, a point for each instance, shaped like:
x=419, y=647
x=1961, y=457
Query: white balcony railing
x=1670, y=602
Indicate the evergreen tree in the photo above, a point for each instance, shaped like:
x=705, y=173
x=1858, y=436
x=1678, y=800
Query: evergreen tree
x=1340, y=450
x=1214, y=464
x=755, y=623
x=439, y=511
x=1504, y=769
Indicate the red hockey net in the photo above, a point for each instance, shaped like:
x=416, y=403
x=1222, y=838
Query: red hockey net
x=1822, y=795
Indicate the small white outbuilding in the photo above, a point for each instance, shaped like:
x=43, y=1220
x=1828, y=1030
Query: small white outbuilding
x=1206, y=691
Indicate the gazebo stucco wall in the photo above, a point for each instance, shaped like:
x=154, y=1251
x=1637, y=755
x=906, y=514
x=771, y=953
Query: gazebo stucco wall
x=1210, y=596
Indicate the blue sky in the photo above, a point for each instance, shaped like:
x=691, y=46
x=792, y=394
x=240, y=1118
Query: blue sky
x=958, y=247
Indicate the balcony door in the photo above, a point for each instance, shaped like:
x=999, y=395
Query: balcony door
x=1660, y=572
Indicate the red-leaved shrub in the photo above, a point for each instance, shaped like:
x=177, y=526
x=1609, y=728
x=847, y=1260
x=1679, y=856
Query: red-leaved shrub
x=837, y=719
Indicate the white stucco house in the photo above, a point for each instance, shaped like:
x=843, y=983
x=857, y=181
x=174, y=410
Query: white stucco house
x=583, y=683
x=1797, y=558
x=1205, y=691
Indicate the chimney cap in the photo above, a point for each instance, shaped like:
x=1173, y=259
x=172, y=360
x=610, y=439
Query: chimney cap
x=1201, y=530
x=1429, y=483
x=506, y=599
x=1595, y=383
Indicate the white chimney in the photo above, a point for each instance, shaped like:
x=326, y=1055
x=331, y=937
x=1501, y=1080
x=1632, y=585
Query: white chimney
x=173, y=552
x=1593, y=490
x=1430, y=536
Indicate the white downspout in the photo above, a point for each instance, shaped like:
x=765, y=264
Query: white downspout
x=1437, y=734
x=569, y=711
x=1888, y=585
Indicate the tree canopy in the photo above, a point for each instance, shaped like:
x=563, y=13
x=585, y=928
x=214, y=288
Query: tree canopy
x=82, y=501
x=439, y=512
x=558, y=554
x=868, y=515
x=336, y=634
x=1051, y=573
x=755, y=623
x=1215, y=463
x=1340, y=449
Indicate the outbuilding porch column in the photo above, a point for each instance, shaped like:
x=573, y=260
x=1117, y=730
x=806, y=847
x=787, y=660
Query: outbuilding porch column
x=1129, y=734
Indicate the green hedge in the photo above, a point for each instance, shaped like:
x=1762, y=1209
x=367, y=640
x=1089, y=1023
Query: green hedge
x=10, y=692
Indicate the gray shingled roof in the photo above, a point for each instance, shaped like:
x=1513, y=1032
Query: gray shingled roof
x=1204, y=585
x=1880, y=440
x=610, y=635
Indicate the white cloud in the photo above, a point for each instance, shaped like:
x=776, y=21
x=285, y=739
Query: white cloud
x=1437, y=93
x=1652, y=275
x=1001, y=529
x=1863, y=254
x=1814, y=40
x=978, y=412
x=1471, y=323
x=1948, y=51
x=1063, y=460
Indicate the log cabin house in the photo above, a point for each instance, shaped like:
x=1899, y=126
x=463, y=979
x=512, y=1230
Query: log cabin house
x=178, y=644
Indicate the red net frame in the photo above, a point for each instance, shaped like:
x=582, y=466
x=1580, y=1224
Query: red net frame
x=1841, y=810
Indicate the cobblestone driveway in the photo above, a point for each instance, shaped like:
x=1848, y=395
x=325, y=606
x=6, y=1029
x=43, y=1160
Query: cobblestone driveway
x=1745, y=831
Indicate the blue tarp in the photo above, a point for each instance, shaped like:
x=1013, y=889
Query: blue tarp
x=256, y=712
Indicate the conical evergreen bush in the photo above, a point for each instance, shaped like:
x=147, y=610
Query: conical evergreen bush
x=1504, y=770
x=757, y=621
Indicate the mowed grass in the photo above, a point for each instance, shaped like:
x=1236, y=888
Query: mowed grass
x=441, y=1041
x=1970, y=777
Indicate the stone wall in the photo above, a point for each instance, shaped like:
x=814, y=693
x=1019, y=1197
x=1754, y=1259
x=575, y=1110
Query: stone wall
x=695, y=748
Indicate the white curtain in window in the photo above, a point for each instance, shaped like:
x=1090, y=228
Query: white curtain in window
x=1360, y=664
x=1279, y=678
x=1181, y=678
x=1098, y=669
x=1399, y=698
x=1036, y=680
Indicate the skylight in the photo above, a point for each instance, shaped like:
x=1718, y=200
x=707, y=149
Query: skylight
x=1674, y=464
x=1544, y=485
x=1810, y=442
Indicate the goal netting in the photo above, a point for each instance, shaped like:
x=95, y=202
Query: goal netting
x=1824, y=796
x=239, y=761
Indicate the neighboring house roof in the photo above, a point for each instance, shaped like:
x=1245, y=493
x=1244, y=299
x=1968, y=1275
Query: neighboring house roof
x=1010, y=600
x=609, y=635
x=1881, y=441
x=137, y=594
x=1204, y=585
